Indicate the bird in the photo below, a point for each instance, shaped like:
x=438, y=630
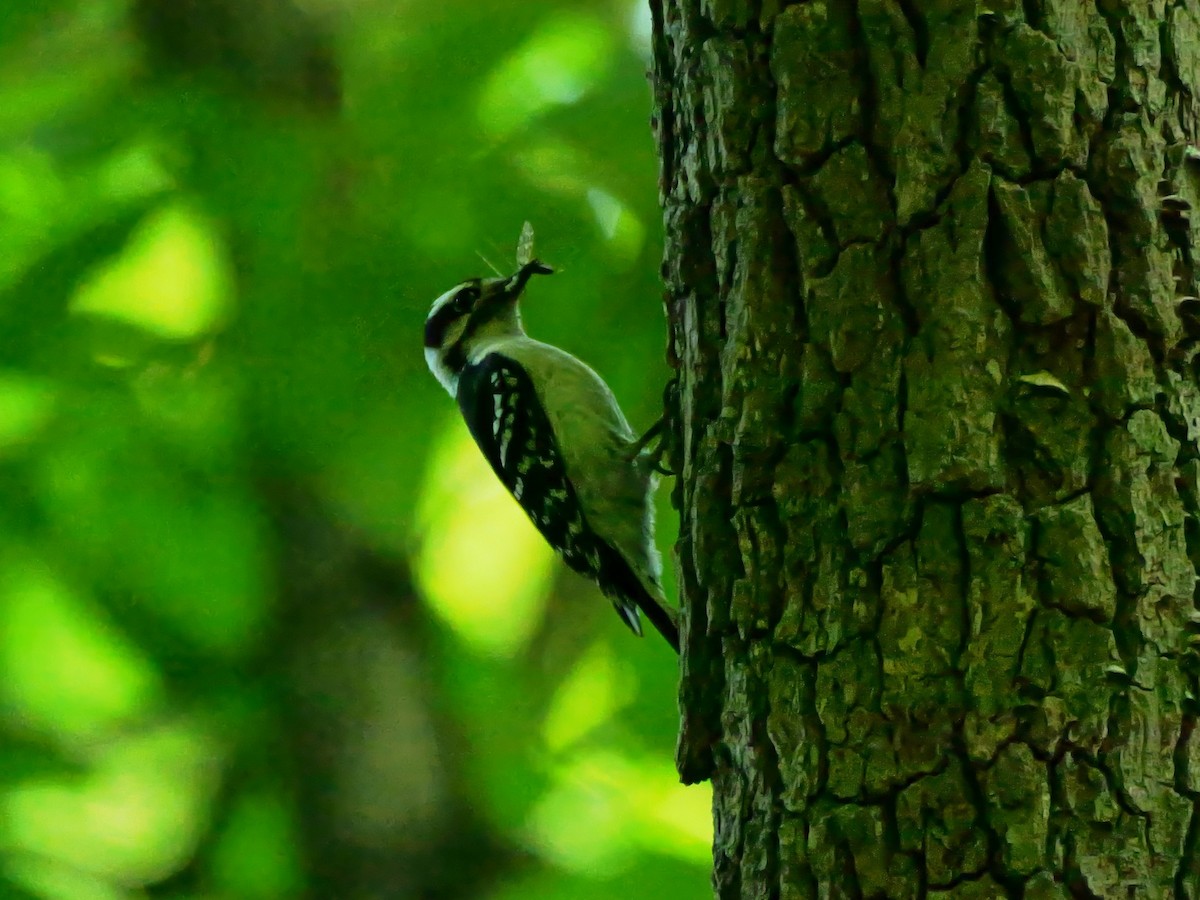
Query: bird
x=555, y=436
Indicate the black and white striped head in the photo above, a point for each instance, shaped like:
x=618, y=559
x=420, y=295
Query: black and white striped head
x=481, y=308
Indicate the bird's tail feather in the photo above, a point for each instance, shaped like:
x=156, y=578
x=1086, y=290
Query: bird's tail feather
x=620, y=582
x=662, y=618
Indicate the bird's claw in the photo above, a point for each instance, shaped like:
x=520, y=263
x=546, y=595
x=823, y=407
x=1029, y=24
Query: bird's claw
x=653, y=458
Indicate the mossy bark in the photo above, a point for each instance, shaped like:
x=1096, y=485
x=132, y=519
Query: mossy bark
x=931, y=285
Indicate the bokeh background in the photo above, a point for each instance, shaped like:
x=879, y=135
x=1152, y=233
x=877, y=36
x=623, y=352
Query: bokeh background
x=269, y=628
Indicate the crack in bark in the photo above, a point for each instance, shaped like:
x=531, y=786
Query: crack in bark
x=920, y=30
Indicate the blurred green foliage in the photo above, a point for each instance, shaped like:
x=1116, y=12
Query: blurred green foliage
x=269, y=628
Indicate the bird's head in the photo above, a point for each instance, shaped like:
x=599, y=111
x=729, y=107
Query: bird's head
x=475, y=310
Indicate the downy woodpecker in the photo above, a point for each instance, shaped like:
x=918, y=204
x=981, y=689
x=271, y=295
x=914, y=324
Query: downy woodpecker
x=556, y=438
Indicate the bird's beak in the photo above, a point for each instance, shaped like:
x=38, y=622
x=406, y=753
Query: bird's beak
x=516, y=282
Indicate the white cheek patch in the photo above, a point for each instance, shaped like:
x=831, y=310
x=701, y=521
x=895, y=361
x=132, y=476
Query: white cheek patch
x=449, y=380
x=435, y=357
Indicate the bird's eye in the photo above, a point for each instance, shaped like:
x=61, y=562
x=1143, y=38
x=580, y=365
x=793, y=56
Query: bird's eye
x=465, y=299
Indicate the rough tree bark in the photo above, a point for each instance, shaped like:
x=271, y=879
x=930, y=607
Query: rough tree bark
x=930, y=277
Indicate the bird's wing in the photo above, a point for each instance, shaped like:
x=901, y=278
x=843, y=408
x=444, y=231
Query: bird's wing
x=505, y=416
x=611, y=487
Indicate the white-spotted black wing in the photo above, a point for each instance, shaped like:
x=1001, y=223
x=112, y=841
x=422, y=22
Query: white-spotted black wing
x=506, y=418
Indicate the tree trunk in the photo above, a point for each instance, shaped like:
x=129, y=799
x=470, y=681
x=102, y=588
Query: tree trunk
x=930, y=277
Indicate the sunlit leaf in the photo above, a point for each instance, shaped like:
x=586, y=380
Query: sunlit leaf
x=135, y=818
x=604, y=808
x=675, y=820
x=597, y=688
x=51, y=880
x=173, y=280
x=555, y=165
x=483, y=567
x=564, y=59
x=66, y=670
x=640, y=25
x=580, y=824
x=620, y=227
